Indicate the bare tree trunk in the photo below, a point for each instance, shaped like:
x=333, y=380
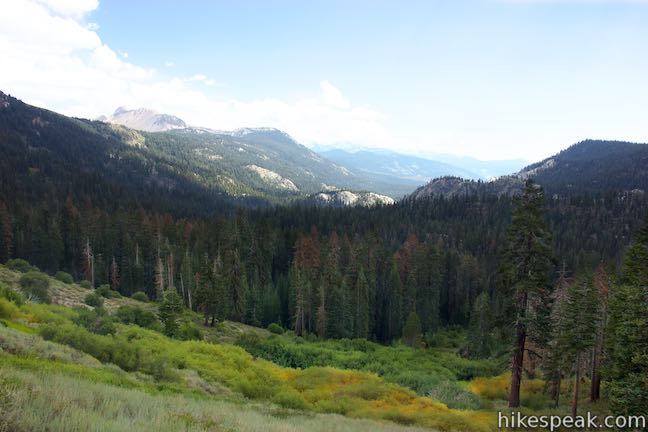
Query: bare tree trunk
x=518, y=356
x=574, y=408
x=516, y=367
x=182, y=289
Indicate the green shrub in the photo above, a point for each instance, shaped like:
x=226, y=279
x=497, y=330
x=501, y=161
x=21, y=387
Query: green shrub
x=138, y=316
x=20, y=265
x=11, y=295
x=93, y=299
x=64, y=277
x=35, y=285
x=140, y=296
x=85, y=284
x=105, y=291
x=291, y=399
x=188, y=331
x=275, y=328
x=8, y=310
x=96, y=320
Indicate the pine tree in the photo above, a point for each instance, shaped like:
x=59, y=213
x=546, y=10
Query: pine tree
x=628, y=333
x=479, y=329
x=361, y=307
x=412, y=330
x=6, y=233
x=88, y=263
x=170, y=310
x=114, y=275
x=579, y=333
x=554, y=359
x=527, y=261
x=602, y=283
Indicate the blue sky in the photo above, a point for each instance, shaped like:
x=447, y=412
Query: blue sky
x=490, y=78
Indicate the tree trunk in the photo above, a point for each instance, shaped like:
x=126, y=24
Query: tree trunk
x=518, y=355
x=516, y=366
x=555, y=389
x=182, y=289
x=595, y=390
x=574, y=408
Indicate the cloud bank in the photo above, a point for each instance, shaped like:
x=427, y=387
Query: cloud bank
x=53, y=57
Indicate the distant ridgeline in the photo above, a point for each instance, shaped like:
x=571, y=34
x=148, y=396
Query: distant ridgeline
x=588, y=167
x=195, y=210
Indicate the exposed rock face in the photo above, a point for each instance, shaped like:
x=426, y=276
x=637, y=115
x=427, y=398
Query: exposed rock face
x=144, y=119
x=272, y=178
x=344, y=198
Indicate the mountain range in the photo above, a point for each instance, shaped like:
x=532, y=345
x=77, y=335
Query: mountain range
x=200, y=166
x=382, y=171
x=144, y=119
x=590, y=166
x=258, y=166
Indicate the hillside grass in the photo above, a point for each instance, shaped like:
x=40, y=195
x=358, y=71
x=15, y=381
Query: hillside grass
x=286, y=382
x=50, y=339
x=31, y=399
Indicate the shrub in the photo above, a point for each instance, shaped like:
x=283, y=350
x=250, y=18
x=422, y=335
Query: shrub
x=20, y=265
x=8, y=310
x=275, y=328
x=290, y=399
x=93, y=299
x=85, y=284
x=189, y=331
x=140, y=296
x=138, y=316
x=105, y=291
x=64, y=277
x=11, y=295
x=35, y=285
x=97, y=320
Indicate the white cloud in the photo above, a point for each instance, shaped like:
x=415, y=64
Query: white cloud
x=70, y=8
x=52, y=58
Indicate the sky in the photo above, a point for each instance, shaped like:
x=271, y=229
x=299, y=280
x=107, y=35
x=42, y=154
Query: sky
x=492, y=79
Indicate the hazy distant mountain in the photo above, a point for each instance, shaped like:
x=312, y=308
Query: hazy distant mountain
x=144, y=119
x=405, y=167
x=485, y=169
x=589, y=166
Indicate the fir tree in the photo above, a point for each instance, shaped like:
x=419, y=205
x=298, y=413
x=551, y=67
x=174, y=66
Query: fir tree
x=628, y=333
x=527, y=261
x=412, y=330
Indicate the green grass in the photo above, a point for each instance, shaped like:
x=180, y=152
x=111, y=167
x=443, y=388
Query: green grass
x=29, y=400
x=135, y=376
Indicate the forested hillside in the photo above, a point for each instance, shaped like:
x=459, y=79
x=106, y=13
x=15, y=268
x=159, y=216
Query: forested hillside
x=588, y=167
x=128, y=212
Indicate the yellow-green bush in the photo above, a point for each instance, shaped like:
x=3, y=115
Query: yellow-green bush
x=8, y=310
x=498, y=387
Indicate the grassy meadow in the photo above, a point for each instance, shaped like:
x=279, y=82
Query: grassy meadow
x=76, y=367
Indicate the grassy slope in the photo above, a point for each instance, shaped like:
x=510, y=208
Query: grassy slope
x=43, y=383
x=214, y=385
x=150, y=363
